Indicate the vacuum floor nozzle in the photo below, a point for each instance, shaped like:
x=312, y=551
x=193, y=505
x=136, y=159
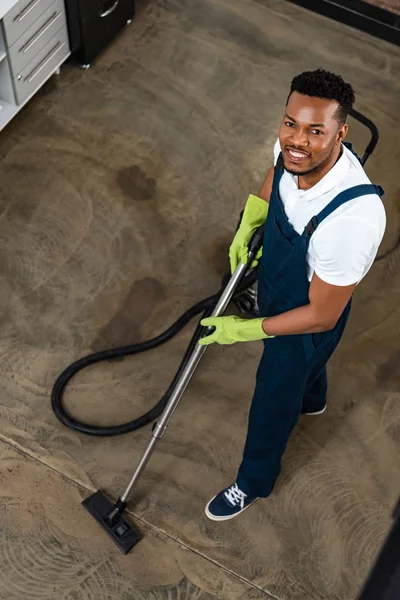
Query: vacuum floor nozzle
x=123, y=534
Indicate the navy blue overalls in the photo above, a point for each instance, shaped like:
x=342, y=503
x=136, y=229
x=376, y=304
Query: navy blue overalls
x=291, y=377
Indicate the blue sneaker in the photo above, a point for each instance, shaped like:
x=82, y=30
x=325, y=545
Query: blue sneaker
x=229, y=503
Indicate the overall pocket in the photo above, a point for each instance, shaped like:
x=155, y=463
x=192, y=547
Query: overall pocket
x=308, y=345
x=317, y=342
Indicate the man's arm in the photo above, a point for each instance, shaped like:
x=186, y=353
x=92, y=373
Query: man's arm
x=327, y=303
x=266, y=187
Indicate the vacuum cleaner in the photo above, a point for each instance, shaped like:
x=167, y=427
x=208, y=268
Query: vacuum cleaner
x=111, y=516
x=239, y=288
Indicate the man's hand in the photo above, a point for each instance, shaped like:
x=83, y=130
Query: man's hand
x=327, y=302
x=254, y=215
x=229, y=330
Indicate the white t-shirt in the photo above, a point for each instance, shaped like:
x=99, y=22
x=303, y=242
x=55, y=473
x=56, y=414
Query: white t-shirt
x=344, y=246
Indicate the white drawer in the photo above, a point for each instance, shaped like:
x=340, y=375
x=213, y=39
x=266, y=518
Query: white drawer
x=22, y=16
x=41, y=67
x=36, y=36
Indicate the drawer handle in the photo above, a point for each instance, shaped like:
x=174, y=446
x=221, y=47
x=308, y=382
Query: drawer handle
x=109, y=10
x=39, y=33
x=29, y=78
x=21, y=16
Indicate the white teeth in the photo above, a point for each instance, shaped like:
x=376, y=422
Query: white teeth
x=297, y=154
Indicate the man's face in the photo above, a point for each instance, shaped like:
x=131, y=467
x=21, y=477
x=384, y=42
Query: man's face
x=310, y=133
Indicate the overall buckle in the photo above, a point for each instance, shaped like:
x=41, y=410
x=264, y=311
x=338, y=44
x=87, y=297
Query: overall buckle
x=311, y=226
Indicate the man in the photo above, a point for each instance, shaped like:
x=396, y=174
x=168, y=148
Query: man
x=324, y=227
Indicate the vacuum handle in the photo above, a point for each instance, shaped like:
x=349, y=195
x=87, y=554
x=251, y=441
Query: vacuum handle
x=255, y=243
x=373, y=130
x=254, y=246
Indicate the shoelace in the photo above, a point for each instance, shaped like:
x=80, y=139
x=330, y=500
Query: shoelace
x=235, y=496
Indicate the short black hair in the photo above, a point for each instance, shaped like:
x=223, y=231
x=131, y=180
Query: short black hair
x=324, y=84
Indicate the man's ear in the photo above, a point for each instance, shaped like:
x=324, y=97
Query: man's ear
x=341, y=134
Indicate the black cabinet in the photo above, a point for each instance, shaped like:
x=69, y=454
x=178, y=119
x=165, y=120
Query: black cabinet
x=92, y=24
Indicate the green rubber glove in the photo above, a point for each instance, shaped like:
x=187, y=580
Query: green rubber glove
x=229, y=330
x=254, y=215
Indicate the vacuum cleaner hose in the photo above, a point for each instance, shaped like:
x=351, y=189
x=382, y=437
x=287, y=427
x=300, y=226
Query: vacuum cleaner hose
x=204, y=306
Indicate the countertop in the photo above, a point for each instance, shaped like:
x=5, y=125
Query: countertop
x=6, y=5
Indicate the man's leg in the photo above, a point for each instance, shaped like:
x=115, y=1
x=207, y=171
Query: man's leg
x=315, y=394
x=277, y=402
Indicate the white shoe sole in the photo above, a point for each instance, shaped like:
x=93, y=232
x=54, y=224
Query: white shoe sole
x=214, y=518
x=312, y=414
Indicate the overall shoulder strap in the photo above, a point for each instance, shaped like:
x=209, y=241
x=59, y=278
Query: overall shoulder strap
x=278, y=172
x=279, y=163
x=342, y=198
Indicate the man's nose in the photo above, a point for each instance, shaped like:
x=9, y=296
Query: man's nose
x=299, y=137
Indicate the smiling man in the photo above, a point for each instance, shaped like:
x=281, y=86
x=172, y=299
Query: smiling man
x=324, y=224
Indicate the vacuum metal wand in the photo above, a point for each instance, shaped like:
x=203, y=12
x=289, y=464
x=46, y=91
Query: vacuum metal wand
x=110, y=516
x=161, y=425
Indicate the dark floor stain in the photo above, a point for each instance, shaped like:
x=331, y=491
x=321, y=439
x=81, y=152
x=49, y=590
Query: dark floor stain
x=126, y=325
x=135, y=184
x=388, y=374
x=217, y=255
x=347, y=406
x=19, y=201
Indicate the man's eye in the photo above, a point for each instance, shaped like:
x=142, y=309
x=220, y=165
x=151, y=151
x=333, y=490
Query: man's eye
x=316, y=131
x=289, y=124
